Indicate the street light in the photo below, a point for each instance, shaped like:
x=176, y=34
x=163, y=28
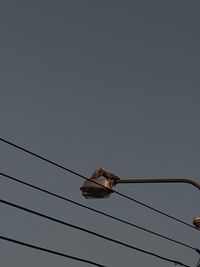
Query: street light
x=101, y=183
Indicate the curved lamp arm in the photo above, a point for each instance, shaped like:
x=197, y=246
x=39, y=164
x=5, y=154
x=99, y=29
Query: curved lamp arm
x=164, y=180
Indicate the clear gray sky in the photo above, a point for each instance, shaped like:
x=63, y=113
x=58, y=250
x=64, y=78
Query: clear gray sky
x=89, y=84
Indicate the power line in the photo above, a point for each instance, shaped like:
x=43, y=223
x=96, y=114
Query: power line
x=91, y=232
x=85, y=178
x=50, y=251
x=95, y=210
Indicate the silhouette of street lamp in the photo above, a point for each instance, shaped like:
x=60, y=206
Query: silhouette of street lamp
x=101, y=183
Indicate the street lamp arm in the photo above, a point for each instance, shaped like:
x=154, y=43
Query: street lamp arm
x=164, y=180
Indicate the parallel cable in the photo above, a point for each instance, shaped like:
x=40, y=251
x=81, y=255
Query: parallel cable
x=85, y=178
x=91, y=232
x=95, y=210
x=51, y=251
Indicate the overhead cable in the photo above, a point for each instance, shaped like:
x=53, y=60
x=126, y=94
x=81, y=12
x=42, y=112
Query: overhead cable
x=91, y=232
x=85, y=178
x=51, y=251
x=94, y=210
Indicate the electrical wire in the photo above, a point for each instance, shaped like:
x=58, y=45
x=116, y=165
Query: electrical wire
x=91, y=232
x=51, y=251
x=95, y=210
x=85, y=178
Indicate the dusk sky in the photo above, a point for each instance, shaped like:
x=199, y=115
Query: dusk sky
x=87, y=84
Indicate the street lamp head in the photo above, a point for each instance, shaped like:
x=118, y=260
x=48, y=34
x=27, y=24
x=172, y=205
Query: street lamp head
x=99, y=185
x=97, y=188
